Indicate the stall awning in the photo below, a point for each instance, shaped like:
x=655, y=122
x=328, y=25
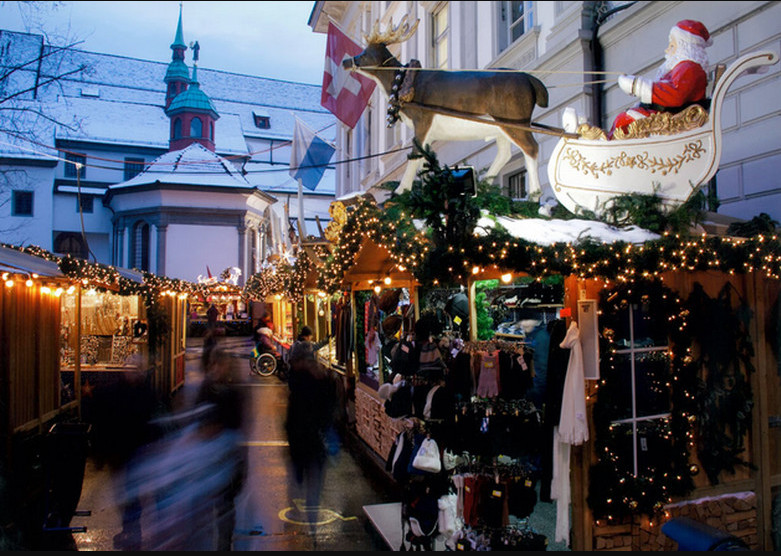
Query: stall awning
x=372, y=263
x=18, y=262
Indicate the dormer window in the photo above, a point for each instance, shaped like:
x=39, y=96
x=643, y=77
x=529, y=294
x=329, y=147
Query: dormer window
x=262, y=120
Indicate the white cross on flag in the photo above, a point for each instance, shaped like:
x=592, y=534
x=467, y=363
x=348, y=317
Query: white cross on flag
x=346, y=94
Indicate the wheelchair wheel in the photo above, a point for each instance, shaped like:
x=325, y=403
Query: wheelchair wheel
x=265, y=364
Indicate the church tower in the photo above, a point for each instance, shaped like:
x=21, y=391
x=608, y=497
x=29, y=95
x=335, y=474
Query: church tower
x=191, y=111
x=177, y=76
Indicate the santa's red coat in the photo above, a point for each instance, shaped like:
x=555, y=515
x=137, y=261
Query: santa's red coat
x=682, y=85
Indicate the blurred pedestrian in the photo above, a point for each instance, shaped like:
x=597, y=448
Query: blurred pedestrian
x=311, y=418
x=212, y=314
x=227, y=416
x=192, y=476
x=120, y=415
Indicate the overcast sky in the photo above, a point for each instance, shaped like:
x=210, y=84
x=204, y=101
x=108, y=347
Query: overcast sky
x=265, y=39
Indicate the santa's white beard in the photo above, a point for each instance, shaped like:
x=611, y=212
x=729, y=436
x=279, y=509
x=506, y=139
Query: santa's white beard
x=682, y=54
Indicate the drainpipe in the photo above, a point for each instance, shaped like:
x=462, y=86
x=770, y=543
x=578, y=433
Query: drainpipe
x=598, y=13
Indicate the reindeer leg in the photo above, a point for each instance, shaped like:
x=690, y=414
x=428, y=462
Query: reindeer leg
x=528, y=144
x=421, y=122
x=503, y=155
x=410, y=172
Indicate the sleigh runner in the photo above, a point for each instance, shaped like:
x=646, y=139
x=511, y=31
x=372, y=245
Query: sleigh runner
x=585, y=173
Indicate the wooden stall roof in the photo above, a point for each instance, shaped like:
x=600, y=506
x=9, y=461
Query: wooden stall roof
x=373, y=262
x=15, y=261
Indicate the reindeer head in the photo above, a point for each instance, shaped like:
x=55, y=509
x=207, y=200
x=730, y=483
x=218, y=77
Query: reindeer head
x=376, y=53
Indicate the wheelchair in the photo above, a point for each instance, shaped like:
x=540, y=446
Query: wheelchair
x=265, y=363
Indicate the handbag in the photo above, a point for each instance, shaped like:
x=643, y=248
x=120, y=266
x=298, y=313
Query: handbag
x=427, y=457
x=449, y=460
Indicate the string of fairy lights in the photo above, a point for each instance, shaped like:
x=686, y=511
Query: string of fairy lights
x=633, y=270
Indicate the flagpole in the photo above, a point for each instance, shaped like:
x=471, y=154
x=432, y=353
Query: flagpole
x=301, y=221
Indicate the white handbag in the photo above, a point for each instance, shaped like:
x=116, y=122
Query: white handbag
x=450, y=461
x=427, y=458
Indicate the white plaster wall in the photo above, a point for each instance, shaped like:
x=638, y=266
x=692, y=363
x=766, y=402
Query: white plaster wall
x=189, y=249
x=66, y=216
x=26, y=230
x=634, y=41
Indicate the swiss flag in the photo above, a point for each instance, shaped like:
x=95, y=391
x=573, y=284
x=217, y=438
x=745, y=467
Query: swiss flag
x=345, y=93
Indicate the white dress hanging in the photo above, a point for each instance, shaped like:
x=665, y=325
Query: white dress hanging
x=572, y=430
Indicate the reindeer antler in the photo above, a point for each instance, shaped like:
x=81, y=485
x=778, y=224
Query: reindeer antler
x=392, y=35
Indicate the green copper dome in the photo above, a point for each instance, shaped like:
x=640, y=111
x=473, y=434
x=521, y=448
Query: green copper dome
x=192, y=100
x=177, y=71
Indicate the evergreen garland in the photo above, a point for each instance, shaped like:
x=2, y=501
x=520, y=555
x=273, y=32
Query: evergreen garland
x=615, y=492
x=706, y=369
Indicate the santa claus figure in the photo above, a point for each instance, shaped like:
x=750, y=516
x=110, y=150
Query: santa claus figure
x=679, y=82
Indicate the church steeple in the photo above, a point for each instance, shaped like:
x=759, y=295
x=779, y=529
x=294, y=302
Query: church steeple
x=177, y=77
x=192, y=114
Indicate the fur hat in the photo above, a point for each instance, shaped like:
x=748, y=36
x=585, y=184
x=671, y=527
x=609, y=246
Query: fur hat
x=391, y=325
x=691, y=31
x=387, y=389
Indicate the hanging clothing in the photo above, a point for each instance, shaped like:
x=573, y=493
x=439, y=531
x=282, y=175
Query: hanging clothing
x=372, y=348
x=488, y=382
x=572, y=430
x=551, y=409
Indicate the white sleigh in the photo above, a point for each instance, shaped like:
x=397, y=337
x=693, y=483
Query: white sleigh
x=585, y=174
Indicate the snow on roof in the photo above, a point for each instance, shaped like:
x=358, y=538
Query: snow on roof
x=139, y=125
x=548, y=232
x=138, y=86
x=193, y=165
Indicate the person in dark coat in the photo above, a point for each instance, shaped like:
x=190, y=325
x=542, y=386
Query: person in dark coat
x=120, y=416
x=227, y=415
x=311, y=415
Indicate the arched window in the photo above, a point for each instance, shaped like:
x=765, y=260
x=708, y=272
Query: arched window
x=177, y=128
x=196, y=128
x=70, y=243
x=211, y=131
x=140, y=247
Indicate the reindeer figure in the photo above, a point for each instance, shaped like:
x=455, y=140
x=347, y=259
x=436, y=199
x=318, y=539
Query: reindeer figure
x=453, y=105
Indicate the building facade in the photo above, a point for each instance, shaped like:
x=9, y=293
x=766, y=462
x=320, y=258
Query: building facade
x=164, y=167
x=561, y=43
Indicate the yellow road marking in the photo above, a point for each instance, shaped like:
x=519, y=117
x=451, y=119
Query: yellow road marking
x=298, y=504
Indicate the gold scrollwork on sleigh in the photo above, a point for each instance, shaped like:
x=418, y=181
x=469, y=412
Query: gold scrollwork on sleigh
x=641, y=161
x=664, y=123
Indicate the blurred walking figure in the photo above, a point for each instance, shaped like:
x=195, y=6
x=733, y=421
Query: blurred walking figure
x=120, y=414
x=310, y=421
x=191, y=478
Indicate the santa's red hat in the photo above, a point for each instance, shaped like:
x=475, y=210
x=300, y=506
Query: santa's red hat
x=692, y=31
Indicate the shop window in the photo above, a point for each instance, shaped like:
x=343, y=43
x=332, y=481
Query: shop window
x=22, y=203
x=133, y=167
x=75, y=167
x=113, y=332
